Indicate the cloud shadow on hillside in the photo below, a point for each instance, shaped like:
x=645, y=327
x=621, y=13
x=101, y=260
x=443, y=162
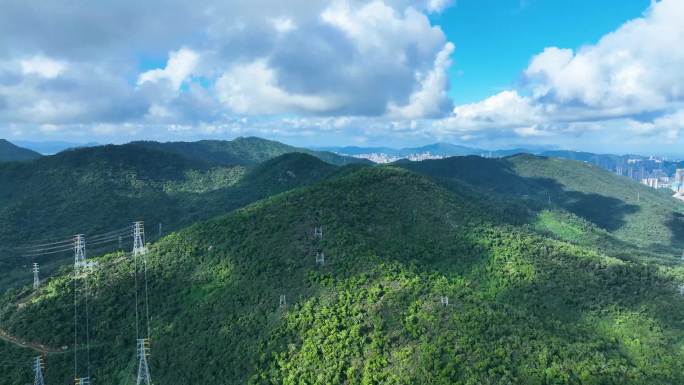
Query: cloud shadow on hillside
x=676, y=225
x=498, y=176
x=606, y=212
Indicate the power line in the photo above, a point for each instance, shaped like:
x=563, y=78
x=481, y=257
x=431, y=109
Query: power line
x=48, y=253
x=111, y=234
x=52, y=248
x=55, y=242
x=128, y=227
x=44, y=244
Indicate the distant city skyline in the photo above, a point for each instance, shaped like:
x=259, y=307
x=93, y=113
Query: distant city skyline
x=583, y=75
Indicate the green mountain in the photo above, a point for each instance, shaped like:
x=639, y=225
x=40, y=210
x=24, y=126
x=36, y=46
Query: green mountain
x=573, y=200
x=10, y=152
x=522, y=308
x=242, y=151
x=94, y=190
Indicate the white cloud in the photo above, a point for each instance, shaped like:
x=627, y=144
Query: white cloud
x=253, y=89
x=633, y=69
x=438, y=5
x=369, y=69
x=531, y=131
x=379, y=29
x=283, y=24
x=629, y=82
x=505, y=109
x=43, y=66
x=306, y=58
x=180, y=65
x=428, y=100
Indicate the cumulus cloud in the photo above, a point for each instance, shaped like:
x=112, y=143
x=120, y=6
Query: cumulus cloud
x=253, y=89
x=633, y=69
x=42, y=66
x=630, y=81
x=430, y=100
x=368, y=68
x=180, y=65
x=68, y=64
x=505, y=109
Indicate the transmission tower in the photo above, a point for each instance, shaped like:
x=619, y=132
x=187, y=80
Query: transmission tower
x=143, y=344
x=81, y=324
x=139, y=239
x=320, y=258
x=143, y=368
x=38, y=366
x=79, y=252
x=318, y=232
x=444, y=300
x=36, y=280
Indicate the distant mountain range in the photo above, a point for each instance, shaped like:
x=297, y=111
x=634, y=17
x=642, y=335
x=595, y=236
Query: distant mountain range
x=435, y=150
x=637, y=166
x=11, y=152
x=255, y=150
x=52, y=147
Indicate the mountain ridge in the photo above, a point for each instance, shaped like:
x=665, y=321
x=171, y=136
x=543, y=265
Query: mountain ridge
x=10, y=152
x=246, y=151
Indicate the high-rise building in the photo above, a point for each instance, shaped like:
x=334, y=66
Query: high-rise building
x=678, y=184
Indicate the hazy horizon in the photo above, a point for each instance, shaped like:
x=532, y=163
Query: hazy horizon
x=56, y=146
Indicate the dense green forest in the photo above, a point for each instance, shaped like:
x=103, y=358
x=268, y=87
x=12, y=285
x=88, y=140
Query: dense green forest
x=94, y=190
x=538, y=292
x=10, y=152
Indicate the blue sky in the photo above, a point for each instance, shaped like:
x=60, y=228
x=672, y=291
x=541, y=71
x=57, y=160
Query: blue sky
x=587, y=75
x=495, y=39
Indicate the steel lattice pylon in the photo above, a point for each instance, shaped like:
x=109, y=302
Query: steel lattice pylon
x=36, y=279
x=79, y=252
x=139, y=239
x=38, y=366
x=143, y=367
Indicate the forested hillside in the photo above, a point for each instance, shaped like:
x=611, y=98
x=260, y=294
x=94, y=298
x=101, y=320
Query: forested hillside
x=522, y=308
x=95, y=190
x=10, y=152
x=574, y=200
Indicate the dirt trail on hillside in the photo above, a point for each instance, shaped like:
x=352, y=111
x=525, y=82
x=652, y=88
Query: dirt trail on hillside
x=29, y=345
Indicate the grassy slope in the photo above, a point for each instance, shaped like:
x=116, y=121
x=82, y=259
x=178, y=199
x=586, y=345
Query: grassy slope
x=242, y=151
x=10, y=152
x=98, y=189
x=523, y=309
x=610, y=212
